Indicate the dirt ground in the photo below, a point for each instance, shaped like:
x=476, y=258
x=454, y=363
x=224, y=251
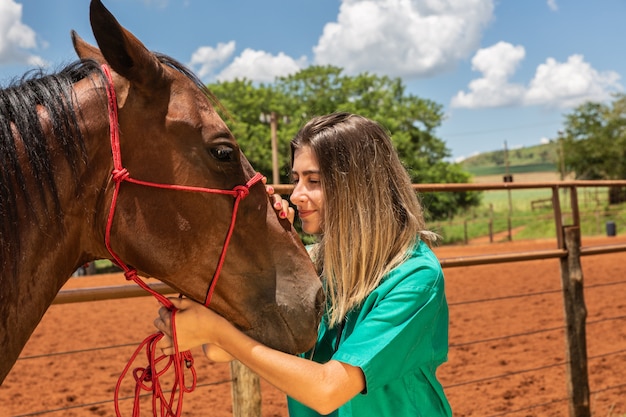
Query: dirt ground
x=506, y=357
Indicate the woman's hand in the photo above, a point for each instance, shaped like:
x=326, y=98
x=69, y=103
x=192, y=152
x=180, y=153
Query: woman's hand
x=196, y=325
x=281, y=205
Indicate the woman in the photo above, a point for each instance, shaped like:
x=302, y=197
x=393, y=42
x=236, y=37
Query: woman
x=385, y=329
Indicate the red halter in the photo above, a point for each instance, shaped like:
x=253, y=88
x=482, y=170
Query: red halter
x=148, y=378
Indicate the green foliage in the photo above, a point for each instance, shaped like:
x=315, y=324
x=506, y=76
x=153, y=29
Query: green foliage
x=319, y=90
x=594, y=140
x=447, y=205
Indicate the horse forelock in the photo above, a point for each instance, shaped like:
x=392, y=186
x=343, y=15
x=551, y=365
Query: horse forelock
x=22, y=131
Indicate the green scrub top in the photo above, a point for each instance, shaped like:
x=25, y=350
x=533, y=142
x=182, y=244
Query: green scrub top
x=398, y=337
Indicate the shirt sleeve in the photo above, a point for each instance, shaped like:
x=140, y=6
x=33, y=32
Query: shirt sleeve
x=401, y=327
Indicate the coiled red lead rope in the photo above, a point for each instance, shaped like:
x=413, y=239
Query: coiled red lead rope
x=148, y=378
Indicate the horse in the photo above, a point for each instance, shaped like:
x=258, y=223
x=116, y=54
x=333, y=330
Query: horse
x=59, y=179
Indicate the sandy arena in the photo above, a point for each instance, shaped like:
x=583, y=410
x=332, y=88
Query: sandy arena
x=507, y=351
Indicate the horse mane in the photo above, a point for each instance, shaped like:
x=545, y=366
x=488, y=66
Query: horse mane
x=19, y=121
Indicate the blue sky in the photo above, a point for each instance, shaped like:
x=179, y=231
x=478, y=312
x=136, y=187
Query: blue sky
x=504, y=70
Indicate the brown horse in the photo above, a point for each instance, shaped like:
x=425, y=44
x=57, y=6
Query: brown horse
x=56, y=190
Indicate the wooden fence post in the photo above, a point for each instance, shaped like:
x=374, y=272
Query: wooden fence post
x=465, y=235
x=490, y=223
x=509, y=228
x=246, y=391
x=575, y=316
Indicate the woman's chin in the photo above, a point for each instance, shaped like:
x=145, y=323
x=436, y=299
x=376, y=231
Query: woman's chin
x=310, y=229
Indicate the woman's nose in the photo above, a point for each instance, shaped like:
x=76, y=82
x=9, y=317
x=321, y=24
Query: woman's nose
x=298, y=195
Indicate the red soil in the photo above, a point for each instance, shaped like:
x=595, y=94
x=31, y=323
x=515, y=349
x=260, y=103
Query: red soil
x=483, y=378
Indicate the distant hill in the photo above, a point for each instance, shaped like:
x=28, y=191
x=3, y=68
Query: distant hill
x=539, y=158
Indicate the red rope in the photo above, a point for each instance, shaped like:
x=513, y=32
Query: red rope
x=148, y=378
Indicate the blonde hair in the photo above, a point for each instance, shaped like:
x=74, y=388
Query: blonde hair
x=371, y=215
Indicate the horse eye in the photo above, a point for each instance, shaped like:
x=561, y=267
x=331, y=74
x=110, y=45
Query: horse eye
x=222, y=153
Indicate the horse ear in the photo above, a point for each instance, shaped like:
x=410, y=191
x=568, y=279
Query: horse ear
x=85, y=50
x=122, y=50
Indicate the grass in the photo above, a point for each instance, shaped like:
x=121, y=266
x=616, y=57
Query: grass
x=500, y=170
x=504, y=209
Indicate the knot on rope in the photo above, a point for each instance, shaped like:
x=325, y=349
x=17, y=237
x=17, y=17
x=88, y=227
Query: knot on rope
x=188, y=359
x=120, y=175
x=143, y=377
x=131, y=275
x=242, y=191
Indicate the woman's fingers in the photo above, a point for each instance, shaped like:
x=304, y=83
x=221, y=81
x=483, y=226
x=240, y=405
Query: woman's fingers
x=166, y=344
x=291, y=214
x=281, y=205
x=163, y=323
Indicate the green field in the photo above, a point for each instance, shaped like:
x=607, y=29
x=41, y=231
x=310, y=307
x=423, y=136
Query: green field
x=501, y=210
x=539, y=158
x=520, y=169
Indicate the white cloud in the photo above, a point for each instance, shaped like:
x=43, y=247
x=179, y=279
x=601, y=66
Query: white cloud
x=499, y=61
x=253, y=65
x=16, y=37
x=261, y=66
x=497, y=64
x=555, y=84
x=553, y=6
x=207, y=59
x=407, y=38
x=571, y=83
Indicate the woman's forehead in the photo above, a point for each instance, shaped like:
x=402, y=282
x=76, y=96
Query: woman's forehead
x=304, y=160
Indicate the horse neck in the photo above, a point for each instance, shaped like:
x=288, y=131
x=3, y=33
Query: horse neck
x=46, y=257
x=52, y=247
x=76, y=236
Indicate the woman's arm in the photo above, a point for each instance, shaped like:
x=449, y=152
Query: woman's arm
x=322, y=387
x=215, y=354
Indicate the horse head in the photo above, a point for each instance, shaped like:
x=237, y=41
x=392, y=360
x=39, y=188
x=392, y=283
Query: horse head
x=171, y=133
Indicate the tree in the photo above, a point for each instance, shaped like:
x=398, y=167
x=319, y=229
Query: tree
x=319, y=90
x=594, y=143
x=245, y=103
x=594, y=140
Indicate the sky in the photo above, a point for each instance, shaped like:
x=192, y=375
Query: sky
x=506, y=72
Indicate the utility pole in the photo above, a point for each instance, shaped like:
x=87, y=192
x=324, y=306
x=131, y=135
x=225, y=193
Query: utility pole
x=562, y=161
x=273, y=132
x=272, y=119
x=561, y=156
x=508, y=177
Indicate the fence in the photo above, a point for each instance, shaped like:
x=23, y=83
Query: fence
x=568, y=251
